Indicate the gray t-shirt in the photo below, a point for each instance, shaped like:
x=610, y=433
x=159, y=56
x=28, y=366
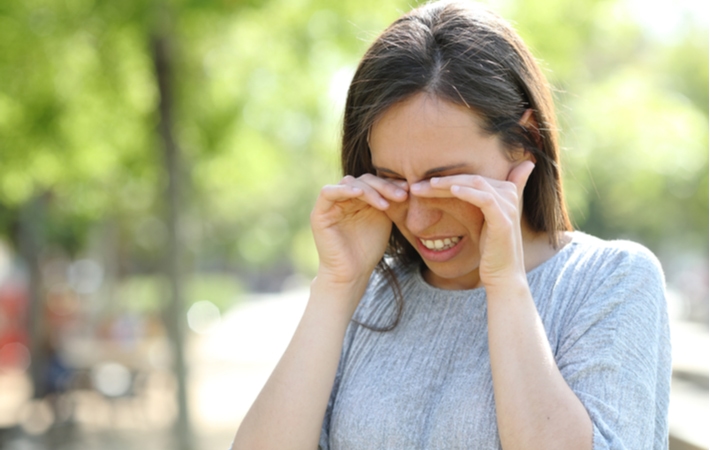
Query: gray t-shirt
x=427, y=383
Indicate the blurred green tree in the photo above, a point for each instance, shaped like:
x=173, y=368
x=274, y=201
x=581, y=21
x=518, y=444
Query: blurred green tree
x=259, y=91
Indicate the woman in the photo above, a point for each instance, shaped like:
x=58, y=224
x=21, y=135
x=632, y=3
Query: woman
x=453, y=305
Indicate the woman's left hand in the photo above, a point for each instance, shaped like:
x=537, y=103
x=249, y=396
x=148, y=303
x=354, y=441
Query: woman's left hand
x=501, y=241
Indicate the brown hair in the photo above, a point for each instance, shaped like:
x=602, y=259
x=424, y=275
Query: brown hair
x=467, y=55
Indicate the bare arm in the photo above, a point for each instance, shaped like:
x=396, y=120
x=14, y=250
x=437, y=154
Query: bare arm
x=288, y=413
x=535, y=407
x=351, y=233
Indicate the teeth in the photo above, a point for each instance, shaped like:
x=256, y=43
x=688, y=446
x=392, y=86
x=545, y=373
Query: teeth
x=439, y=244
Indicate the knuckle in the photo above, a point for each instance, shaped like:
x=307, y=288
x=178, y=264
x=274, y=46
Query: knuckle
x=488, y=200
x=370, y=179
x=510, y=211
x=511, y=196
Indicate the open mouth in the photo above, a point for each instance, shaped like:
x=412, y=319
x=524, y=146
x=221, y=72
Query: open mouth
x=439, y=245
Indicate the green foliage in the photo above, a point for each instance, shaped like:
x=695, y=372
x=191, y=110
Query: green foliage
x=260, y=86
x=141, y=294
x=76, y=111
x=268, y=117
x=223, y=291
x=633, y=112
x=640, y=162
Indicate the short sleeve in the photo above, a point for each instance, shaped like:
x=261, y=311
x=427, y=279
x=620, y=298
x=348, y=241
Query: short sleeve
x=615, y=352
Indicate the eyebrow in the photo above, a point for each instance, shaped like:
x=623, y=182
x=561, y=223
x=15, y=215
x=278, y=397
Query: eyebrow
x=428, y=174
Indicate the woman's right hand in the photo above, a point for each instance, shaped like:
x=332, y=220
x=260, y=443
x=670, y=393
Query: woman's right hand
x=350, y=228
x=351, y=233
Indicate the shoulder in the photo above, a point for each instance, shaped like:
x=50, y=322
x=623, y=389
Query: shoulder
x=614, y=287
x=612, y=342
x=619, y=259
x=592, y=280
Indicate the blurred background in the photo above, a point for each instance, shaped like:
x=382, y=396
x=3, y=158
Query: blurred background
x=159, y=161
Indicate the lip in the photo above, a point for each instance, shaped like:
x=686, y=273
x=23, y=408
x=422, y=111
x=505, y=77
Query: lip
x=439, y=256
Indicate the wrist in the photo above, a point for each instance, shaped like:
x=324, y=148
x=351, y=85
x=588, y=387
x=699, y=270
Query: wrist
x=340, y=296
x=328, y=281
x=512, y=287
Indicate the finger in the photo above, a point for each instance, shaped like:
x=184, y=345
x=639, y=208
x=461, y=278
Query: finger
x=466, y=180
x=331, y=194
x=395, y=190
x=440, y=187
x=338, y=192
x=498, y=213
x=369, y=194
x=520, y=174
x=401, y=184
x=426, y=190
x=486, y=201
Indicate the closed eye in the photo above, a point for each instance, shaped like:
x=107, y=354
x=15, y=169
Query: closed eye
x=388, y=177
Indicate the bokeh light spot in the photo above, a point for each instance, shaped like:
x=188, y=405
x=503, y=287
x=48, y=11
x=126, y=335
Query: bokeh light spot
x=203, y=316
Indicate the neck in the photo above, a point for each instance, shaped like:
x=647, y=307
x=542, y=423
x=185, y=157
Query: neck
x=537, y=247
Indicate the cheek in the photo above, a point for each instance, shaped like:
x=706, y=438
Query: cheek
x=457, y=210
x=397, y=212
x=465, y=214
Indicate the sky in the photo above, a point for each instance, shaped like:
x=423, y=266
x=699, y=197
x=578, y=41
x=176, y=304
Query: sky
x=664, y=18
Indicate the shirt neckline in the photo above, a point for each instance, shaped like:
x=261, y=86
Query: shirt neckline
x=576, y=237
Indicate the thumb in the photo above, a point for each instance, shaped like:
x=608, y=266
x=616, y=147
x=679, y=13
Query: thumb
x=520, y=174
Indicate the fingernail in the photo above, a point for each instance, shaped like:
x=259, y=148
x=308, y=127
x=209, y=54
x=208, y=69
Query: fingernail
x=434, y=180
x=383, y=203
x=400, y=193
x=415, y=187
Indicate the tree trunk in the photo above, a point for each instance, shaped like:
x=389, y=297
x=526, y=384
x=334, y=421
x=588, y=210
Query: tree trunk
x=175, y=316
x=30, y=244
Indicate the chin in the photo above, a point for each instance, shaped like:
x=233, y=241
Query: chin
x=452, y=277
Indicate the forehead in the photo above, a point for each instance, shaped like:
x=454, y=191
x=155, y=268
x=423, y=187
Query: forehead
x=426, y=132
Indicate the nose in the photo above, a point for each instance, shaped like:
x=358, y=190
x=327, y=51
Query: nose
x=421, y=214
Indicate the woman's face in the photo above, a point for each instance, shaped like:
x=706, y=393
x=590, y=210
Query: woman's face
x=424, y=137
